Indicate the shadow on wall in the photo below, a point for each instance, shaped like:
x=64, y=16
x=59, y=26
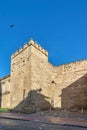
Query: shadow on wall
x=74, y=97
x=34, y=102
x=0, y=94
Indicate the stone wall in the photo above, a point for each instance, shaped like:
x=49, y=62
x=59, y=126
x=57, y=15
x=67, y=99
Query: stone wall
x=20, y=75
x=74, y=97
x=68, y=74
x=41, y=74
x=23, y=67
x=5, y=92
x=32, y=74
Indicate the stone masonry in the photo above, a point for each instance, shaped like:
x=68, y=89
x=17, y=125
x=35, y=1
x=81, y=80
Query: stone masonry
x=36, y=82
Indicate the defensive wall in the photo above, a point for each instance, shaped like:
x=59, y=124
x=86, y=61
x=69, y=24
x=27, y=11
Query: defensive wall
x=63, y=86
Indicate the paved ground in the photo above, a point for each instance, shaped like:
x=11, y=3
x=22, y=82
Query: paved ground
x=10, y=121
x=9, y=124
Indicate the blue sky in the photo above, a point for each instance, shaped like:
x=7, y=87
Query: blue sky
x=60, y=26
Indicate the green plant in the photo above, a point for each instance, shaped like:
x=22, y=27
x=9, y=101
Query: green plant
x=4, y=109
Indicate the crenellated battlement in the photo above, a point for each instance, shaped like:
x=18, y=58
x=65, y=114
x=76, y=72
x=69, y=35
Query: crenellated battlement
x=37, y=46
x=64, y=85
x=30, y=43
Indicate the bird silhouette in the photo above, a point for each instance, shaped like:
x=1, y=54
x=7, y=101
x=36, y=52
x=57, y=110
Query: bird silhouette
x=11, y=26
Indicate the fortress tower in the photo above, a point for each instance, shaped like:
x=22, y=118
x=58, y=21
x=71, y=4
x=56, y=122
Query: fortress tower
x=35, y=81
x=27, y=71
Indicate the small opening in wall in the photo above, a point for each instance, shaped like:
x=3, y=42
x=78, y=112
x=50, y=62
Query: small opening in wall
x=23, y=60
x=52, y=82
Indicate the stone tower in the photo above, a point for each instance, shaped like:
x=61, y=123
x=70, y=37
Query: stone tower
x=34, y=81
x=27, y=71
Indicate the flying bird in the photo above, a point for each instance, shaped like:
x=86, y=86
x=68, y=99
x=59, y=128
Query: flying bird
x=11, y=26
